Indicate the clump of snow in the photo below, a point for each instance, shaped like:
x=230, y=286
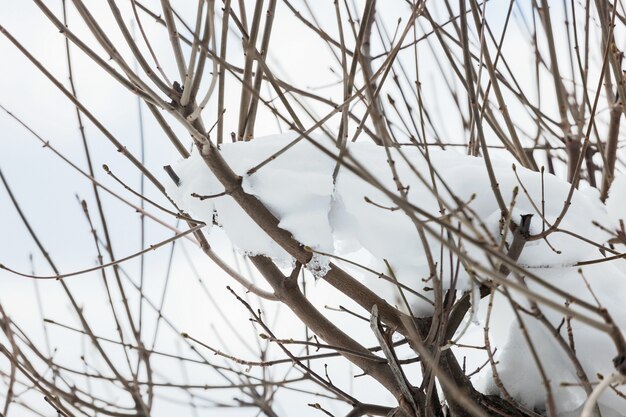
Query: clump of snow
x=352, y=214
x=594, y=349
x=349, y=216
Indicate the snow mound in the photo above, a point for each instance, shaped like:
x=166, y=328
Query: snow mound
x=352, y=214
x=348, y=216
x=594, y=349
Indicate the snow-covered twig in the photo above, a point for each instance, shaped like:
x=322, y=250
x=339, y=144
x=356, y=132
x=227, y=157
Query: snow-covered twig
x=598, y=390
